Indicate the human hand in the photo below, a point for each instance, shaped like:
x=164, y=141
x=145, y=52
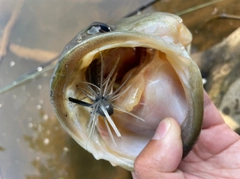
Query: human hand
x=215, y=155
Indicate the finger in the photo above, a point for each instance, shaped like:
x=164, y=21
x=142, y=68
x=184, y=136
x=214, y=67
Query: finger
x=212, y=117
x=162, y=154
x=215, y=136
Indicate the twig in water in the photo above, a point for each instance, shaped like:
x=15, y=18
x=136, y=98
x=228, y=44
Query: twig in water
x=8, y=28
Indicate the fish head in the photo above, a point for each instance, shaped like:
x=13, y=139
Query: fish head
x=114, y=83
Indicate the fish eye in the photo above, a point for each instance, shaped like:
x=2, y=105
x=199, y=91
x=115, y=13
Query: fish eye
x=98, y=27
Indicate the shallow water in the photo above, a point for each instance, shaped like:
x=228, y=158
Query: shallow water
x=33, y=145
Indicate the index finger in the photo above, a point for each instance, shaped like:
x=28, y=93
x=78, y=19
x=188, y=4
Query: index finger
x=212, y=116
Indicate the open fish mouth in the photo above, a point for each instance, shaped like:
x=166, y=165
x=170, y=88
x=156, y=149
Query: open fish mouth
x=113, y=84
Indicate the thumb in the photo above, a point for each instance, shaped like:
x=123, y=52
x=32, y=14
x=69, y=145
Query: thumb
x=162, y=154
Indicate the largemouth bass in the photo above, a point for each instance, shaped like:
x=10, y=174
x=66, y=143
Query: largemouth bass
x=114, y=83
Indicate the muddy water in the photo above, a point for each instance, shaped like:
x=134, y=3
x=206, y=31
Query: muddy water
x=32, y=143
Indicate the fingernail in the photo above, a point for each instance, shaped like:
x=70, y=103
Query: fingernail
x=162, y=129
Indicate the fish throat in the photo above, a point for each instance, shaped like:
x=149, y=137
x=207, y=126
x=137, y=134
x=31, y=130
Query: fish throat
x=100, y=89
